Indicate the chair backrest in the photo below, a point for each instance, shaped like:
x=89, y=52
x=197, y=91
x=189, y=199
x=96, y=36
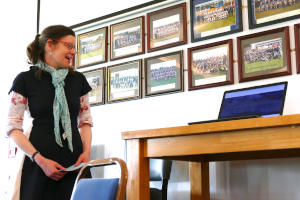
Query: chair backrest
x=160, y=170
x=99, y=188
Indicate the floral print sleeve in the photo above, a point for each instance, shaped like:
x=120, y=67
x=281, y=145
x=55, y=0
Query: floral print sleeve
x=18, y=105
x=84, y=116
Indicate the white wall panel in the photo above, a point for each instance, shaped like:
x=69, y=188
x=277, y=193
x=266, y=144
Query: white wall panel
x=70, y=12
x=18, y=29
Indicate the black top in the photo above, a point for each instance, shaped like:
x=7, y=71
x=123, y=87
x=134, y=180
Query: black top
x=40, y=94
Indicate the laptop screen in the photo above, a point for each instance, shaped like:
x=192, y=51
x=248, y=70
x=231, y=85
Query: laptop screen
x=263, y=101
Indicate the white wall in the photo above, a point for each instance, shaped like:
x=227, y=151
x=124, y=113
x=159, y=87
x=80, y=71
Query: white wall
x=70, y=12
x=18, y=28
x=258, y=179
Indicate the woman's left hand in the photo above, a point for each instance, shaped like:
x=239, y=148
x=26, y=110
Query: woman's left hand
x=84, y=157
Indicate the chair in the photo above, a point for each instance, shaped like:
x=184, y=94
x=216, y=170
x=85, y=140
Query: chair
x=100, y=188
x=160, y=170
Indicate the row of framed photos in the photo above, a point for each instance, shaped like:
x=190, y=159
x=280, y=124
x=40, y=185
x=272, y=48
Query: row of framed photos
x=163, y=74
x=260, y=55
x=168, y=27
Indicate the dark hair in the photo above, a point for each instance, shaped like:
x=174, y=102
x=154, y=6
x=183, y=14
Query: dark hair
x=36, y=49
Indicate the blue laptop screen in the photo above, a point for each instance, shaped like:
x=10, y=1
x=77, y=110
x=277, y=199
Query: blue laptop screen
x=266, y=100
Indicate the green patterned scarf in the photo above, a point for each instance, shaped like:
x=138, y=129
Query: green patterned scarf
x=60, y=105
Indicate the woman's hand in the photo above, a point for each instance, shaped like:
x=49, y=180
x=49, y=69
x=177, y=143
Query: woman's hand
x=50, y=167
x=84, y=157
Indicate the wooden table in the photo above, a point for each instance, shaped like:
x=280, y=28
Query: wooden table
x=257, y=138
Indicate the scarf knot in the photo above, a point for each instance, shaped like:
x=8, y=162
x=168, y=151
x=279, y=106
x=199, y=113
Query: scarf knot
x=58, y=79
x=60, y=105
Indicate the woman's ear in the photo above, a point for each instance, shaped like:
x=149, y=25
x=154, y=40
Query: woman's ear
x=49, y=45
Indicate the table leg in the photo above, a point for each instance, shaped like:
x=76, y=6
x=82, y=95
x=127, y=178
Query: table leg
x=199, y=180
x=138, y=171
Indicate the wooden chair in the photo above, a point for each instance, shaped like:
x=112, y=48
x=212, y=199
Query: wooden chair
x=100, y=188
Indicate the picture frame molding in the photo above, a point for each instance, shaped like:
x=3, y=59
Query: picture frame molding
x=183, y=25
x=181, y=76
x=251, y=19
x=108, y=88
x=104, y=50
x=103, y=69
x=286, y=38
x=229, y=42
x=297, y=46
x=142, y=29
x=238, y=18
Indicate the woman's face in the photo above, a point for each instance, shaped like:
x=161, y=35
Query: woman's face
x=61, y=54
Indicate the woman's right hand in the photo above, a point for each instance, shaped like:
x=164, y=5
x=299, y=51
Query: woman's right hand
x=50, y=167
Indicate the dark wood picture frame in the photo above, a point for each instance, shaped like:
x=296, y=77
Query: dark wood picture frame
x=297, y=46
x=91, y=48
x=210, y=65
x=164, y=74
x=127, y=38
x=207, y=21
x=96, y=79
x=166, y=27
x=262, y=13
x=264, y=55
x=124, y=81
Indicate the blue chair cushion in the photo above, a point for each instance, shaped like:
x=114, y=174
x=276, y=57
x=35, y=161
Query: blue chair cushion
x=96, y=188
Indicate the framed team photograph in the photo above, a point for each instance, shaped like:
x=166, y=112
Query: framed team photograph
x=210, y=65
x=164, y=74
x=264, y=54
x=127, y=38
x=166, y=28
x=214, y=18
x=96, y=79
x=124, y=81
x=92, y=48
x=297, y=45
x=267, y=12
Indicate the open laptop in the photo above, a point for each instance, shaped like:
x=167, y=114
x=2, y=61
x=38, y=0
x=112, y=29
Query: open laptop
x=259, y=101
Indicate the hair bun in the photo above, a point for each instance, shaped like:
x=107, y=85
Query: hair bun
x=37, y=37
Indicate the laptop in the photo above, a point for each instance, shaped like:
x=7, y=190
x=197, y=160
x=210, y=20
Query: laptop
x=259, y=101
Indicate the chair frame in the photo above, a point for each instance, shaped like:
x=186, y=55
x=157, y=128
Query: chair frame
x=104, y=162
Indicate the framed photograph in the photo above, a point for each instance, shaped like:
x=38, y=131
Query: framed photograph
x=297, y=46
x=210, y=65
x=124, y=81
x=92, y=48
x=96, y=79
x=210, y=18
x=264, y=54
x=127, y=38
x=267, y=12
x=166, y=28
x=164, y=74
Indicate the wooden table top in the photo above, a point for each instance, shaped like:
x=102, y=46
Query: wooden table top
x=242, y=124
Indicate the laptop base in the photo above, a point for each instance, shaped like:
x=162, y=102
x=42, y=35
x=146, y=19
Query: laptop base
x=224, y=119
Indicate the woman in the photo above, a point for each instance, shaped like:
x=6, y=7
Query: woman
x=57, y=99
